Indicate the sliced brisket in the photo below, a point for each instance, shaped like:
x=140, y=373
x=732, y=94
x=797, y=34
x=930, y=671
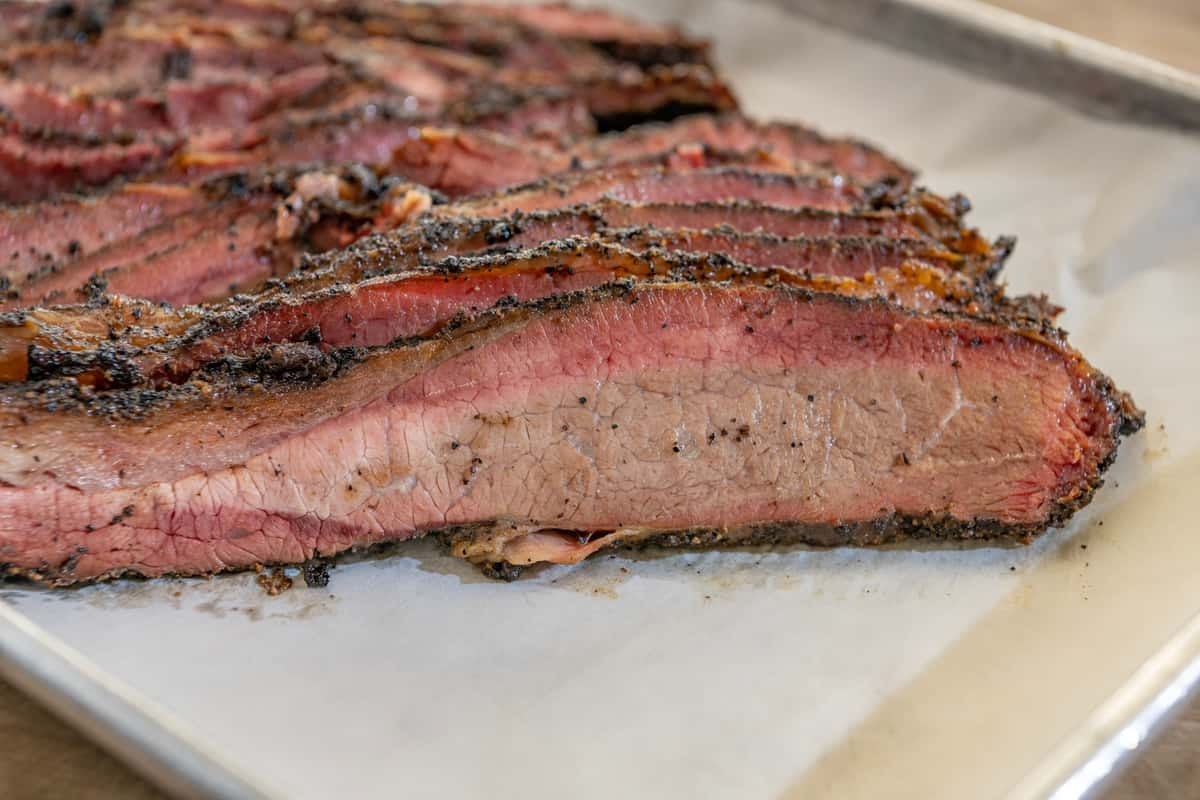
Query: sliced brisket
x=419, y=282
x=219, y=237
x=79, y=113
x=661, y=184
x=454, y=160
x=735, y=132
x=546, y=431
x=625, y=38
x=923, y=217
x=699, y=330
x=39, y=234
x=31, y=169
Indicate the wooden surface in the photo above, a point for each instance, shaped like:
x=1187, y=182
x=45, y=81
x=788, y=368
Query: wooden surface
x=41, y=757
x=1167, y=30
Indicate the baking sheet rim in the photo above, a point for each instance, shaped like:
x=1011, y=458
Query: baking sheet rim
x=119, y=719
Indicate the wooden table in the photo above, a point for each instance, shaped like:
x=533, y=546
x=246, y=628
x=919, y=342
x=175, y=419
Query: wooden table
x=40, y=757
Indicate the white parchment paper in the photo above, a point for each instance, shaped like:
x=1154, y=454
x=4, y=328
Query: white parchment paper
x=893, y=673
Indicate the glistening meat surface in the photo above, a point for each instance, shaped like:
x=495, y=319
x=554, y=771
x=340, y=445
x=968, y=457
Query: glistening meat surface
x=656, y=408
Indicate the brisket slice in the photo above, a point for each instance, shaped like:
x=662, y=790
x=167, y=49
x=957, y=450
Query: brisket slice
x=243, y=231
x=915, y=216
x=119, y=342
x=123, y=221
x=544, y=431
x=36, y=235
x=455, y=160
x=661, y=184
x=631, y=97
x=146, y=58
x=67, y=90
x=617, y=95
x=461, y=161
x=787, y=141
x=178, y=109
x=128, y=264
x=497, y=37
x=925, y=217
x=31, y=169
x=624, y=38
x=812, y=241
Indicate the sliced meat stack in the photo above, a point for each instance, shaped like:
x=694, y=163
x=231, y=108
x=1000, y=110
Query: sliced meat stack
x=116, y=237
x=352, y=273
x=95, y=91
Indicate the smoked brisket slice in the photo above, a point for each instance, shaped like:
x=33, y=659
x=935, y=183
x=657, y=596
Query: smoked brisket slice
x=38, y=166
x=115, y=235
x=240, y=232
x=142, y=59
x=31, y=169
x=179, y=108
x=924, y=229
x=456, y=160
x=36, y=235
x=623, y=37
x=168, y=90
x=735, y=132
x=134, y=222
x=688, y=414
x=120, y=342
x=461, y=161
x=663, y=184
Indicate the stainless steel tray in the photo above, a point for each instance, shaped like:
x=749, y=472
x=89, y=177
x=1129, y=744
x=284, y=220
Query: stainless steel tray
x=1000, y=45
x=1026, y=673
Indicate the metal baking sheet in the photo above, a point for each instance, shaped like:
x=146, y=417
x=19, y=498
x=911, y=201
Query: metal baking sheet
x=840, y=673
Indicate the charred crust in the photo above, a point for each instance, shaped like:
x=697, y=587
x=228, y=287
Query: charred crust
x=177, y=64
x=315, y=572
x=935, y=528
x=501, y=570
x=671, y=109
x=561, y=184
x=116, y=363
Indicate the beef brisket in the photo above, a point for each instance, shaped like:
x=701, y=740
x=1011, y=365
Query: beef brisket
x=453, y=160
x=735, y=132
x=39, y=234
x=925, y=229
x=357, y=271
x=81, y=112
x=625, y=38
x=227, y=235
x=543, y=432
x=123, y=343
x=35, y=168
x=662, y=184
